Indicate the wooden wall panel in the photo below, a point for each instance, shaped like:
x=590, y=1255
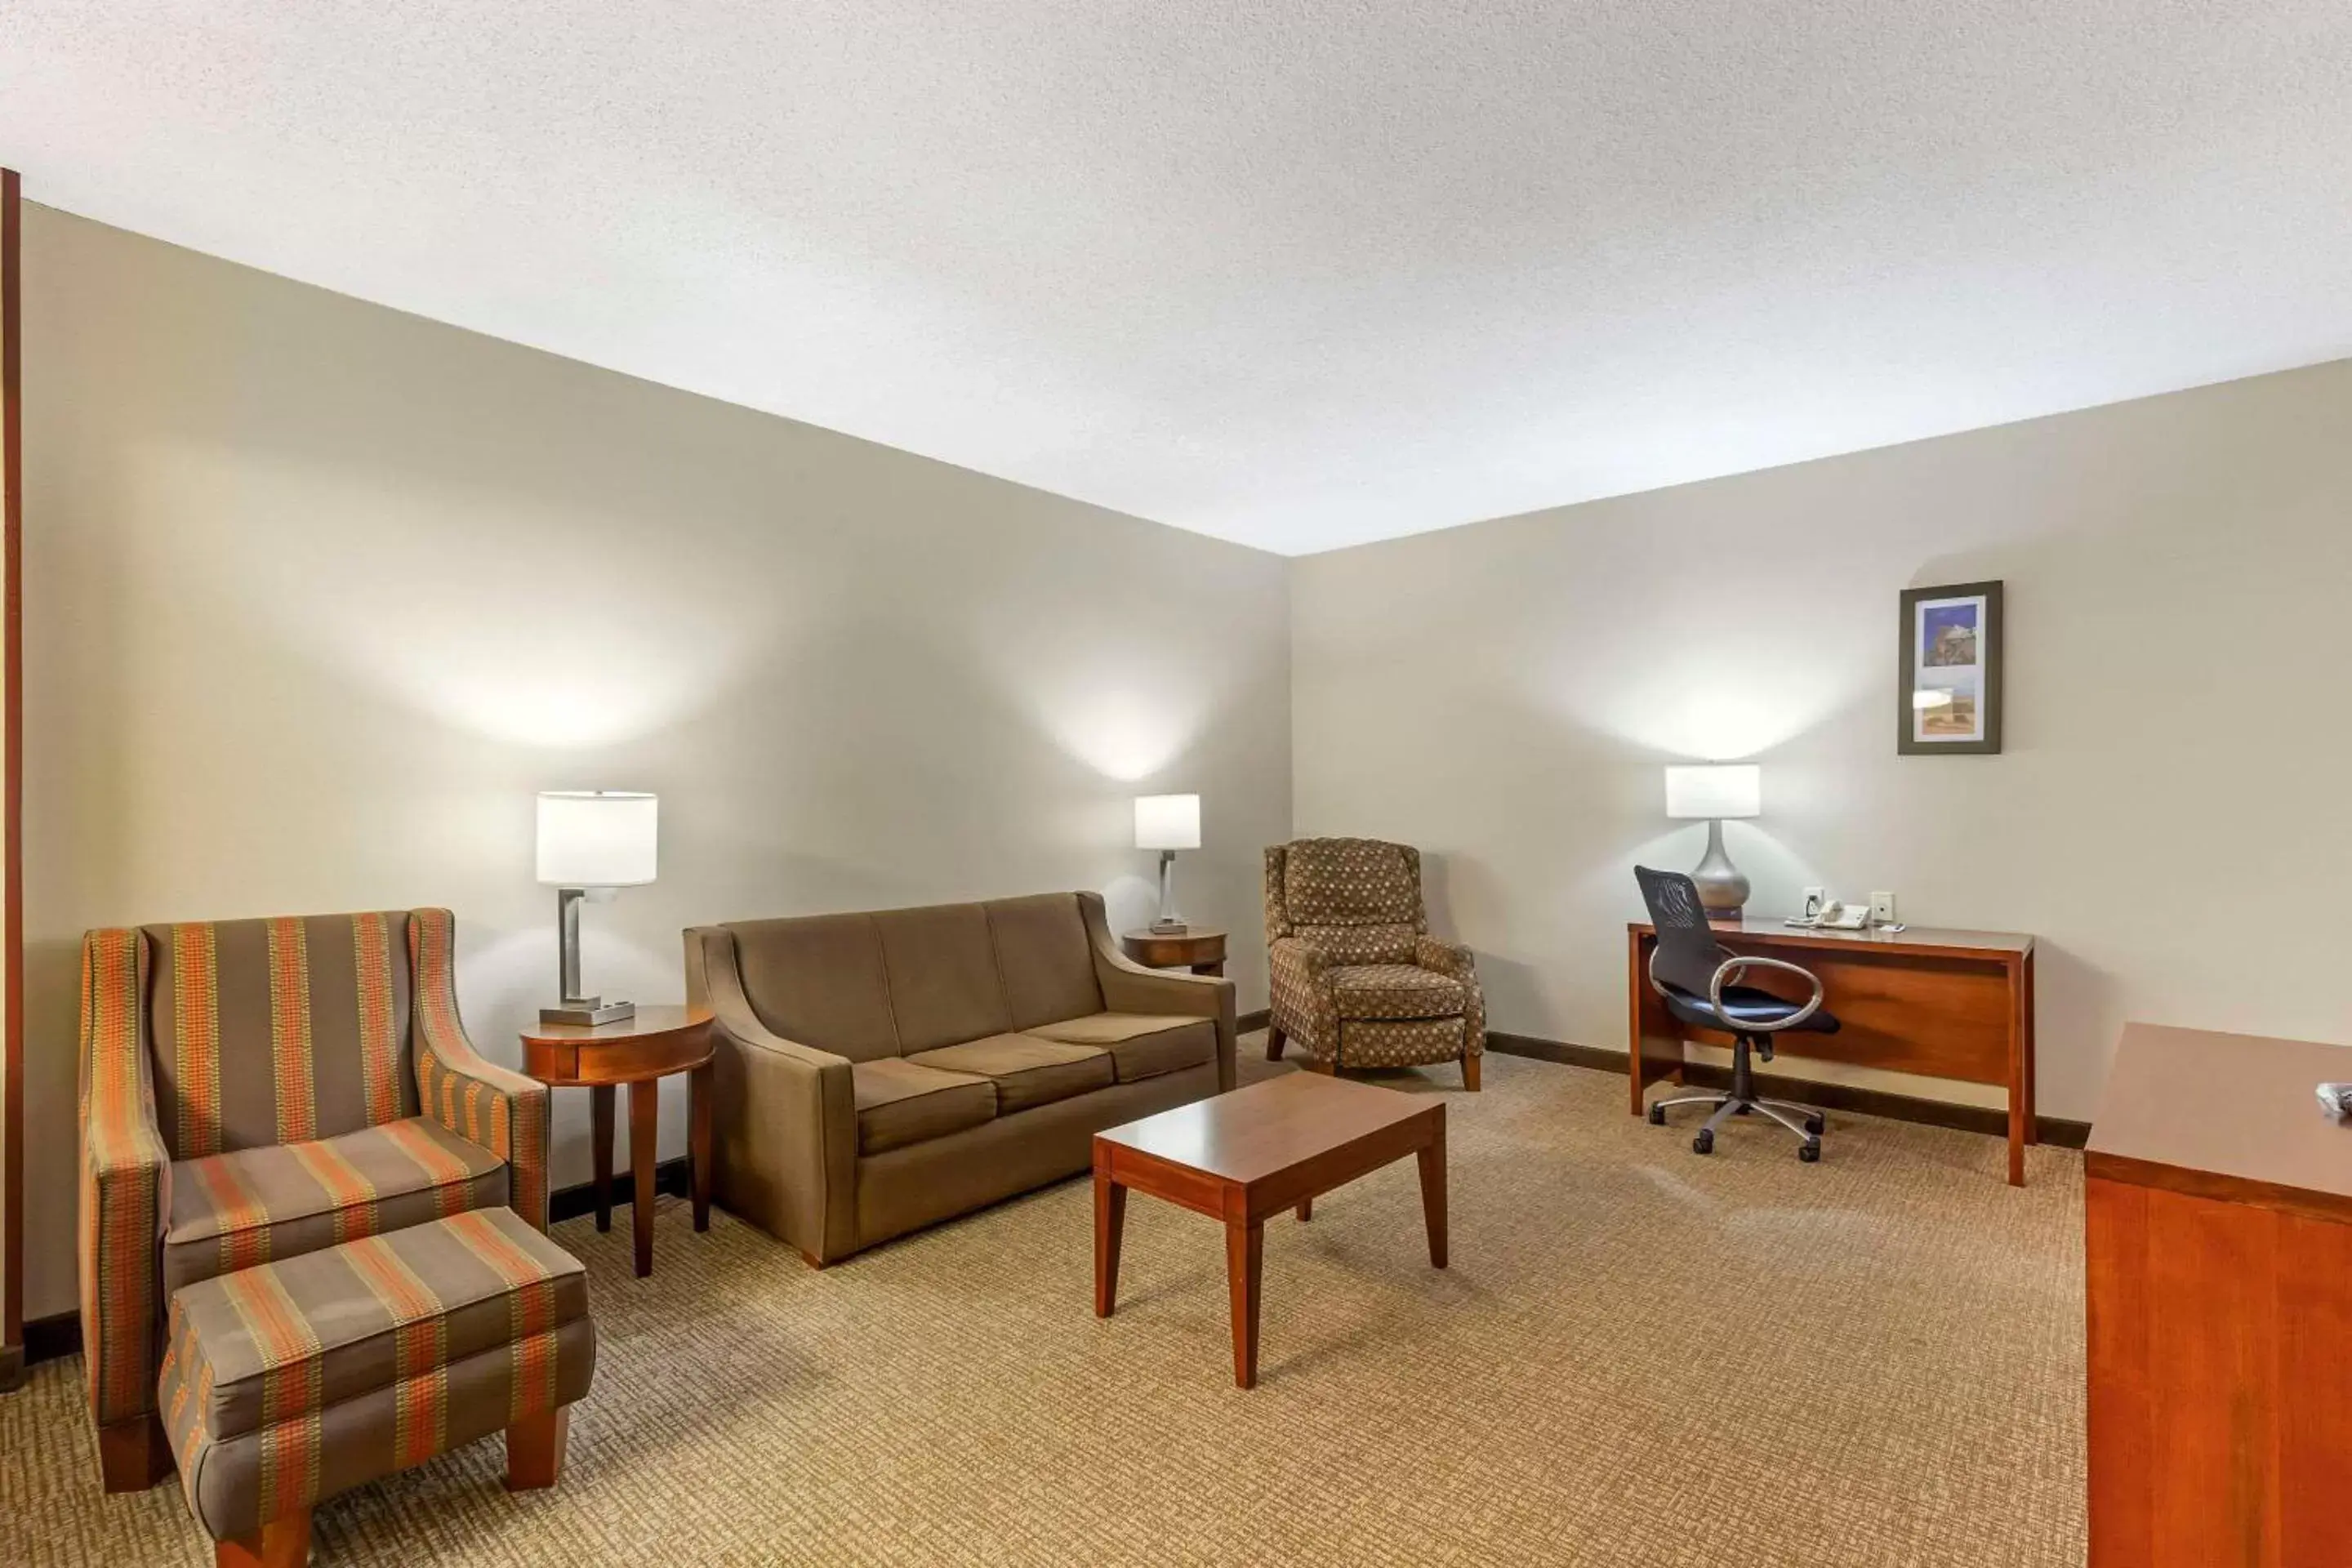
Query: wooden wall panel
x=12, y=794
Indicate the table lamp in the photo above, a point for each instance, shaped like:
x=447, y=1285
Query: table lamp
x=1712, y=793
x=1168, y=823
x=591, y=842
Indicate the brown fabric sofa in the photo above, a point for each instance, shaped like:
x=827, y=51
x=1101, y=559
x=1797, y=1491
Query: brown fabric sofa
x=879, y=1072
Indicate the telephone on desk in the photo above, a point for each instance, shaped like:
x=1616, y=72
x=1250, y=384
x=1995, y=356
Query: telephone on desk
x=1834, y=916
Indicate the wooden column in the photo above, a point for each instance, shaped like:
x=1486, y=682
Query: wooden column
x=12, y=792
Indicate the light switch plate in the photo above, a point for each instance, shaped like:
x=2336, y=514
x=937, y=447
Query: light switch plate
x=1881, y=909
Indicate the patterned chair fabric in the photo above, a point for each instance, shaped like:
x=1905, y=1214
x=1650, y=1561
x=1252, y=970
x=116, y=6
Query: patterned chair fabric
x=1357, y=979
x=290, y=1382
x=254, y=1090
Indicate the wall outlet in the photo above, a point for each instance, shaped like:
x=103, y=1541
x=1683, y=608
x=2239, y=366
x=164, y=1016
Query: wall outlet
x=1881, y=909
x=1816, y=900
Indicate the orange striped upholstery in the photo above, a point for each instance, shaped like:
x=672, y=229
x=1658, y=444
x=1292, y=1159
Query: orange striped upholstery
x=258, y=1054
x=233, y=1211
x=500, y=1110
x=122, y=1177
x=276, y=1391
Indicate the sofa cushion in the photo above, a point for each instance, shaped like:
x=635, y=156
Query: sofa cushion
x=902, y=1102
x=1141, y=1045
x=1395, y=990
x=818, y=981
x=944, y=986
x=1048, y=962
x=1027, y=1071
x=233, y=1211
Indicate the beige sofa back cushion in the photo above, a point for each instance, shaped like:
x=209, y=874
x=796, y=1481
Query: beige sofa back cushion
x=896, y=982
x=1046, y=958
x=819, y=980
x=944, y=986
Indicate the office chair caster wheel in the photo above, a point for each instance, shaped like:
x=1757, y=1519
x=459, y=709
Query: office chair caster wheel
x=1813, y=1125
x=1657, y=1116
x=1809, y=1151
x=1703, y=1144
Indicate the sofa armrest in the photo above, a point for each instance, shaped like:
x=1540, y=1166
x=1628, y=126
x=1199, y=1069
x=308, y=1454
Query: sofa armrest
x=497, y=1108
x=1131, y=988
x=125, y=1178
x=784, y=1127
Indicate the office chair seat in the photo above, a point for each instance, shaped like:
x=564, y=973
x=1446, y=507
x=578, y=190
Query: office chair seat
x=1743, y=1006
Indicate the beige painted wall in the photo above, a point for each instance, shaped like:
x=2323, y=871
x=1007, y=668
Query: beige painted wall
x=322, y=594
x=2169, y=815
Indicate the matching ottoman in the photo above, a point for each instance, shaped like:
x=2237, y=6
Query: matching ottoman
x=290, y=1382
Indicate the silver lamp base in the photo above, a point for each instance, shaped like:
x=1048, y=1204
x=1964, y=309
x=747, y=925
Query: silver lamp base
x=1721, y=887
x=590, y=1010
x=1169, y=923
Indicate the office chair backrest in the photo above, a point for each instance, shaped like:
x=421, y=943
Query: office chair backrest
x=1688, y=954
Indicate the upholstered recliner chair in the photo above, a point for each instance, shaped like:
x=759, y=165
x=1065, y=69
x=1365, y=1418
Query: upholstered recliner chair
x=255, y=1089
x=1358, y=981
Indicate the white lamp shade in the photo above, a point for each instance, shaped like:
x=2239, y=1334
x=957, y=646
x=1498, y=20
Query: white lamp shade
x=596, y=838
x=1734, y=789
x=1168, y=822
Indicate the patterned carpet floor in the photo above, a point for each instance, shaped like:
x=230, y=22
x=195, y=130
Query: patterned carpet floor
x=1639, y=1359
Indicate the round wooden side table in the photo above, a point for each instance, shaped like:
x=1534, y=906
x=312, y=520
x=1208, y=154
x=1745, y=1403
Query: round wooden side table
x=1201, y=948
x=639, y=1052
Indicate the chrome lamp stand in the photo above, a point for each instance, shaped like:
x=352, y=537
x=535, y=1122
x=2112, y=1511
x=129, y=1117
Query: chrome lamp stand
x=575, y=1007
x=1169, y=923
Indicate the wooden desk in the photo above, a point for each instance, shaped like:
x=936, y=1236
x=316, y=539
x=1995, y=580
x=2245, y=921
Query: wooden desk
x=1945, y=1004
x=2218, y=1230
x=639, y=1052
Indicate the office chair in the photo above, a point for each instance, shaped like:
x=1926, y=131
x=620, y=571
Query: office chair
x=1694, y=974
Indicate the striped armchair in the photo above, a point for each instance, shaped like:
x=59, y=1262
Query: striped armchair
x=1357, y=980
x=255, y=1089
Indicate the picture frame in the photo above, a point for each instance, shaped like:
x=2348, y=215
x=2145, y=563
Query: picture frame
x=1948, y=697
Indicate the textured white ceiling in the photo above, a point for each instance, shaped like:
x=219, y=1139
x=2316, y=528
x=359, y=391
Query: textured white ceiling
x=1296, y=272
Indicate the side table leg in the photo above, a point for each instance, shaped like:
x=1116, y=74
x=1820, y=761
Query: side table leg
x=600, y=1137
x=698, y=1090
x=1111, y=1226
x=1245, y=1269
x=645, y=1105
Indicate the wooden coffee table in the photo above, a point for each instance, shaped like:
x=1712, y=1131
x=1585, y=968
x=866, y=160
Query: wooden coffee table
x=1243, y=1156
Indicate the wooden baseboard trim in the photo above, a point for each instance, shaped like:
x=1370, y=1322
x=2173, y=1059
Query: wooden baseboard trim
x=2052, y=1130
x=671, y=1178
x=12, y=1368
x=1251, y=1023
x=50, y=1338
x=47, y=1339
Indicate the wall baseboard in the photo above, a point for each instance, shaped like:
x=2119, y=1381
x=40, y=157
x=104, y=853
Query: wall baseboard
x=1251, y=1023
x=2052, y=1130
x=59, y=1335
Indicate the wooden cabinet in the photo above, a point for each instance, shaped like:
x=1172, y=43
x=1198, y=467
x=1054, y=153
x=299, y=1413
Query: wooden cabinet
x=2217, y=1202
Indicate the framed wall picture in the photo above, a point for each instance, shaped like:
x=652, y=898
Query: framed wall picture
x=1948, y=700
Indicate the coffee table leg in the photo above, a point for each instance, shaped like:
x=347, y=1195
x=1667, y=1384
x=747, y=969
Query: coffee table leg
x=600, y=1104
x=1307, y=1208
x=1245, y=1268
x=1110, y=1224
x=1432, y=1155
x=698, y=1091
x=644, y=1102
